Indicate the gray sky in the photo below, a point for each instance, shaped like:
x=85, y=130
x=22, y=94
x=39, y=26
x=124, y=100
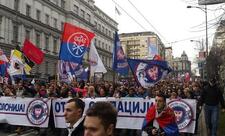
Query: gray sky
x=171, y=18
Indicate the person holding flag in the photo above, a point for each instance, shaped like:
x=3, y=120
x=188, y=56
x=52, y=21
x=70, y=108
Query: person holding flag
x=160, y=119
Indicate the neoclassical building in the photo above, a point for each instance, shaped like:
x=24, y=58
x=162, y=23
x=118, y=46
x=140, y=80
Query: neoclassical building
x=42, y=22
x=181, y=65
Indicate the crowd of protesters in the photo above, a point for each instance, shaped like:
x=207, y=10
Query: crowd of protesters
x=172, y=89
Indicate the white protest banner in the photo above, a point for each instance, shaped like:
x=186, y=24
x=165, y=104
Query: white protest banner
x=25, y=111
x=132, y=111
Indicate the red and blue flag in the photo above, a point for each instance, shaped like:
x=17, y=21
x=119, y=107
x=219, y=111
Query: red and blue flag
x=166, y=121
x=75, y=42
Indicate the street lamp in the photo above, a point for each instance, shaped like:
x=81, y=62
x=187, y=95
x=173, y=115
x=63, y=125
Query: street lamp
x=206, y=25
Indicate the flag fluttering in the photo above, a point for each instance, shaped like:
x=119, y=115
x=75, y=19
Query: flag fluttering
x=120, y=64
x=74, y=43
x=95, y=61
x=117, y=11
x=148, y=72
x=32, y=52
x=69, y=70
x=16, y=65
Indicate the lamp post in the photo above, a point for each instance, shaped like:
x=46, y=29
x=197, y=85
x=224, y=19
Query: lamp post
x=206, y=25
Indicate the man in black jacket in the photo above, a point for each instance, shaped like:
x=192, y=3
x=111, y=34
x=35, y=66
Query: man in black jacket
x=74, y=109
x=211, y=97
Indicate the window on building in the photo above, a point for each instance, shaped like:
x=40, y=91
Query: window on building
x=55, y=22
x=82, y=13
x=99, y=43
x=15, y=32
x=109, y=48
x=99, y=27
x=46, y=42
x=76, y=9
x=109, y=33
x=62, y=26
x=56, y=2
x=55, y=45
x=96, y=24
x=16, y=5
x=0, y=26
x=106, y=47
x=95, y=42
x=63, y=4
x=88, y=17
x=103, y=45
x=106, y=31
x=103, y=29
x=38, y=39
x=28, y=10
x=37, y=69
x=38, y=14
x=46, y=67
x=47, y=19
x=27, y=34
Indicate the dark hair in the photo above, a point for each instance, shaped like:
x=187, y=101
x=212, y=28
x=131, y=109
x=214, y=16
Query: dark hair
x=78, y=103
x=105, y=112
x=162, y=96
x=147, y=75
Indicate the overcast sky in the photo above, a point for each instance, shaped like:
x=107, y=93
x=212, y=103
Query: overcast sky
x=171, y=19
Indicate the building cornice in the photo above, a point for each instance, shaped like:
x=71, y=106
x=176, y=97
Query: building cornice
x=52, y=5
x=96, y=8
x=86, y=4
x=102, y=19
x=80, y=19
x=23, y=19
x=102, y=34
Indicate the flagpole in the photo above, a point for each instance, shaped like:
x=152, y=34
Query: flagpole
x=89, y=67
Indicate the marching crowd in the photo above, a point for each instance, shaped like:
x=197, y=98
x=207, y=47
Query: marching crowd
x=170, y=88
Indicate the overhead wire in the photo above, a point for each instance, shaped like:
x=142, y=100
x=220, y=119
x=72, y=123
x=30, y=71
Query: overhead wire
x=154, y=27
x=129, y=15
x=147, y=20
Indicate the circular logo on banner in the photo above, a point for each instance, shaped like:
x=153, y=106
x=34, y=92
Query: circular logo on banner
x=79, y=41
x=37, y=112
x=183, y=112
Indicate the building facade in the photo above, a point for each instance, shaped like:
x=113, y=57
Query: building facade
x=181, y=65
x=142, y=45
x=42, y=21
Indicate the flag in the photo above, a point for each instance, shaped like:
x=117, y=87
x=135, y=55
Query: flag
x=84, y=75
x=32, y=52
x=166, y=120
x=3, y=63
x=3, y=68
x=157, y=57
x=75, y=41
x=95, y=61
x=120, y=64
x=28, y=64
x=69, y=70
x=117, y=11
x=3, y=57
x=148, y=72
x=16, y=66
